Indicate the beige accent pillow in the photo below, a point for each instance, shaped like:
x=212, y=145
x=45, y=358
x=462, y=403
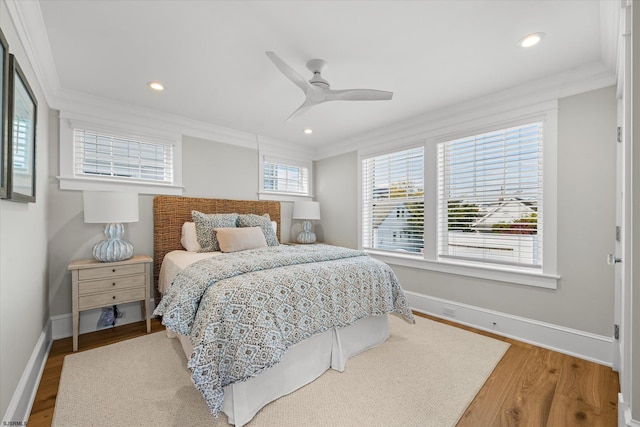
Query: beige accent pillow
x=240, y=239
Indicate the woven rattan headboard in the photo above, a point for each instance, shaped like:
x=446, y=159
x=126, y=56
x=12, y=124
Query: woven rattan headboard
x=170, y=212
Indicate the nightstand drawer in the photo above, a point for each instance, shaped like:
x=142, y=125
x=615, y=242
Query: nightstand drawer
x=114, y=284
x=110, y=271
x=108, y=298
x=96, y=284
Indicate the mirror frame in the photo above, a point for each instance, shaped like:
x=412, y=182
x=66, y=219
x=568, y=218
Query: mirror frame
x=19, y=89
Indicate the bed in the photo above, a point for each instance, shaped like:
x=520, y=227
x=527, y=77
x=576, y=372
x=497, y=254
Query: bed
x=282, y=363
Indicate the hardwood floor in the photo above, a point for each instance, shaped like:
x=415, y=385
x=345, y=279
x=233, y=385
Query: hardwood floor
x=530, y=387
x=535, y=387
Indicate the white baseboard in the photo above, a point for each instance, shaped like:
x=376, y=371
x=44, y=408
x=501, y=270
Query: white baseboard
x=63, y=323
x=585, y=345
x=57, y=327
x=625, y=419
x=19, y=408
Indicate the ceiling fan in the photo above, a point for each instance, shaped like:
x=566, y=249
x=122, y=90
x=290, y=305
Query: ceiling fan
x=317, y=90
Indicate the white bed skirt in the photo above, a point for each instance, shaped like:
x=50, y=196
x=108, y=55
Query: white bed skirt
x=303, y=363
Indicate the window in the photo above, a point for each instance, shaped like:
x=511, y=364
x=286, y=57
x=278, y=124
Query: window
x=393, y=201
x=477, y=199
x=107, y=156
x=285, y=177
x=113, y=155
x=490, y=197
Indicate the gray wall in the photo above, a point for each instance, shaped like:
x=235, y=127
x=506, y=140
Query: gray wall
x=23, y=250
x=335, y=185
x=586, y=224
x=210, y=169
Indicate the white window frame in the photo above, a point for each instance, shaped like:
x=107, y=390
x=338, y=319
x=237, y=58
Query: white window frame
x=265, y=194
x=69, y=180
x=546, y=277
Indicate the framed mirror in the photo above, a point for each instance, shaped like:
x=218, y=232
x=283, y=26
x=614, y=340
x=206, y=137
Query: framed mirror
x=4, y=112
x=23, y=109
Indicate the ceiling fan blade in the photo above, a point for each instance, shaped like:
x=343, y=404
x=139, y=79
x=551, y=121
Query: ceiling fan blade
x=289, y=72
x=358, y=95
x=308, y=103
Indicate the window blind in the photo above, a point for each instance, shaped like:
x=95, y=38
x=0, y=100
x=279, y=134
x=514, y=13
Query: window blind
x=490, y=197
x=106, y=156
x=393, y=201
x=280, y=177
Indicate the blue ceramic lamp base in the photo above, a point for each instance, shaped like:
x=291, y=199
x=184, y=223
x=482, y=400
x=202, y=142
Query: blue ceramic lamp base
x=306, y=235
x=114, y=248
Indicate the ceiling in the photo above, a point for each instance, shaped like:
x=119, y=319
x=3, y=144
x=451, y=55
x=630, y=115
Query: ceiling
x=210, y=55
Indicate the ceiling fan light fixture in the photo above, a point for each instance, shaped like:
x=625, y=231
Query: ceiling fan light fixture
x=157, y=86
x=531, y=39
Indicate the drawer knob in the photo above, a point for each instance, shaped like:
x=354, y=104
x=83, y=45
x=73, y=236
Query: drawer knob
x=114, y=270
x=114, y=283
x=114, y=297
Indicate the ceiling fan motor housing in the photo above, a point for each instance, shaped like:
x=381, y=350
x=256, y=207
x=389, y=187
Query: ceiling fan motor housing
x=317, y=66
x=317, y=80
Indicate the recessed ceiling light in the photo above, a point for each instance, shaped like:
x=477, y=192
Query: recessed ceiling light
x=156, y=86
x=308, y=131
x=530, y=40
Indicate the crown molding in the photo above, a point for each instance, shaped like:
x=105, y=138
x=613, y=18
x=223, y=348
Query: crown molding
x=27, y=20
x=76, y=104
x=583, y=79
x=610, y=14
x=89, y=105
x=284, y=149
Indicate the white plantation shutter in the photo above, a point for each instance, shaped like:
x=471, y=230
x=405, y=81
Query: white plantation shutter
x=490, y=197
x=282, y=176
x=393, y=201
x=100, y=155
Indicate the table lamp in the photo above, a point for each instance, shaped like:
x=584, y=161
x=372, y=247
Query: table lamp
x=112, y=209
x=306, y=211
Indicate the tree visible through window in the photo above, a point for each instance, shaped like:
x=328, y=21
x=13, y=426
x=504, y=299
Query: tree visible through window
x=490, y=197
x=393, y=201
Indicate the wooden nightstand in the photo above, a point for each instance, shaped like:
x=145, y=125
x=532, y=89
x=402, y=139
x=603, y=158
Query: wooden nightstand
x=96, y=284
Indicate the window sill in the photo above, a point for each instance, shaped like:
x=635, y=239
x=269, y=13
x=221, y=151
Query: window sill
x=89, y=184
x=528, y=278
x=284, y=197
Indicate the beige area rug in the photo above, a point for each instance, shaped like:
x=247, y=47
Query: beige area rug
x=424, y=375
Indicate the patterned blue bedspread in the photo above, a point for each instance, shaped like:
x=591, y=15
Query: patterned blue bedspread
x=244, y=310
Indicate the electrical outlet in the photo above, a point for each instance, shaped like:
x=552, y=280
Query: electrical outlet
x=449, y=311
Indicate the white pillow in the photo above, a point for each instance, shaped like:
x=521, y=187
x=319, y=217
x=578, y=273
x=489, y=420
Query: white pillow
x=274, y=225
x=236, y=239
x=189, y=239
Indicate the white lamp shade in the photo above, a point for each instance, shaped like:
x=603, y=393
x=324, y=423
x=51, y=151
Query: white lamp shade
x=306, y=210
x=110, y=207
